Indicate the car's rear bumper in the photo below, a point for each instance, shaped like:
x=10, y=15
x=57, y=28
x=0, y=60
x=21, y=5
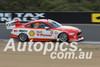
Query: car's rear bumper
x=14, y=36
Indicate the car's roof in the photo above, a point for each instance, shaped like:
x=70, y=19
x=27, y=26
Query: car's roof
x=41, y=20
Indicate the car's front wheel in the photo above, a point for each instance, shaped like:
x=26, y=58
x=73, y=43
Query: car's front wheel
x=23, y=37
x=63, y=37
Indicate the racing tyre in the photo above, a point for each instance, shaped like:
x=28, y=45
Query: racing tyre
x=63, y=37
x=23, y=37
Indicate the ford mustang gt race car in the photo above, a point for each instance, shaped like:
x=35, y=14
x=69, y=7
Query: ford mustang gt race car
x=43, y=30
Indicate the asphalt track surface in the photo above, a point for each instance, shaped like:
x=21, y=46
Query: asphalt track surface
x=90, y=32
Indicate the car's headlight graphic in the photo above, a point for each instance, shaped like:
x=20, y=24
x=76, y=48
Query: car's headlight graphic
x=71, y=33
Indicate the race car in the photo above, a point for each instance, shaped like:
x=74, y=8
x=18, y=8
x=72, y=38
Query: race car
x=43, y=30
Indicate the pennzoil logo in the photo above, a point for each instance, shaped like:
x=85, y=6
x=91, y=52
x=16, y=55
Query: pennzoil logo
x=96, y=17
x=31, y=33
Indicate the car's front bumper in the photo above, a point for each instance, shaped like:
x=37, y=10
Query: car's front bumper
x=76, y=37
x=77, y=40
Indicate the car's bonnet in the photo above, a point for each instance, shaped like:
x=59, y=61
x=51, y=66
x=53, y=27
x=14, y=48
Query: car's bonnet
x=68, y=28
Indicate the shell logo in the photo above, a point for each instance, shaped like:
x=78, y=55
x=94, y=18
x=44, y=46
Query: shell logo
x=31, y=33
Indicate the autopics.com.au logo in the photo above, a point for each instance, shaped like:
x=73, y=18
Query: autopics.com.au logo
x=57, y=50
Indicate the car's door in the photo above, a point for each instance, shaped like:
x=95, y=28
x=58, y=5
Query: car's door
x=44, y=31
x=41, y=30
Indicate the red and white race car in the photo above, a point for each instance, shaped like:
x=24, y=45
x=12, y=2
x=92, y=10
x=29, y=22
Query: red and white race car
x=43, y=30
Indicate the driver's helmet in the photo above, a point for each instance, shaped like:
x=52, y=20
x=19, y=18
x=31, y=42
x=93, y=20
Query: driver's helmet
x=36, y=25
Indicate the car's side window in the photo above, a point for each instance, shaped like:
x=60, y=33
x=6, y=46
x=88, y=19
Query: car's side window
x=29, y=25
x=33, y=25
x=43, y=25
x=38, y=25
x=46, y=25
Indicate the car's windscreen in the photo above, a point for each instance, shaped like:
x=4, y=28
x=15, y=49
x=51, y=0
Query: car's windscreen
x=55, y=24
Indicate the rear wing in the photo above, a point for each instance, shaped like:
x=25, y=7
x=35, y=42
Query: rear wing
x=16, y=22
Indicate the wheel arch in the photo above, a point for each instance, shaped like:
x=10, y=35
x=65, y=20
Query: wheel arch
x=25, y=34
x=61, y=33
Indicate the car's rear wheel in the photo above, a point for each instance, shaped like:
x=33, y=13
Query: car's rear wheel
x=63, y=37
x=23, y=37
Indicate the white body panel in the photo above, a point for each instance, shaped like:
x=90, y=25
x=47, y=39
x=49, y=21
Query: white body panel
x=38, y=33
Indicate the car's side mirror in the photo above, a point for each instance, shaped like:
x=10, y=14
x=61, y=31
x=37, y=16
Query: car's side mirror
x=47, y=28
